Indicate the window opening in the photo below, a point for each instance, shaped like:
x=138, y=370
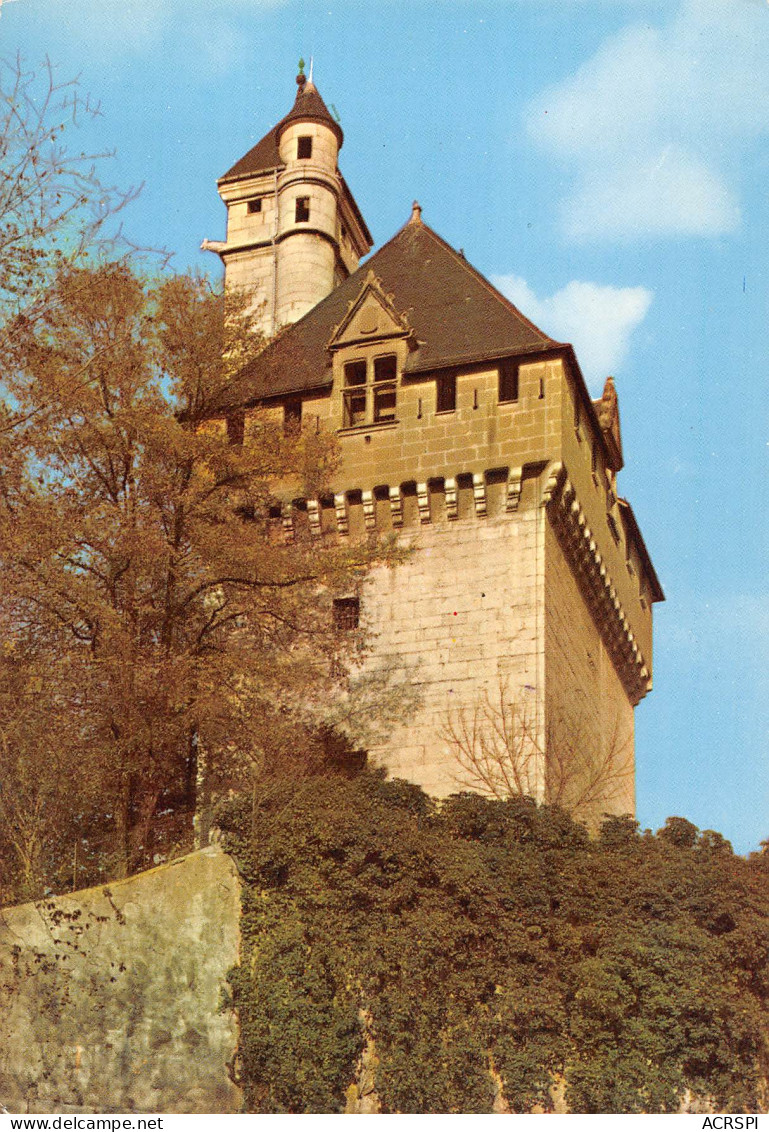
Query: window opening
x=255, y=205
x=236, y=428
x=508, y=381
x=292, y=416
x=346, y=614
x=385, y=372
x=302, y=209
x=369, y=391
x=304, y=147
x=446, y=397
x=354, y=394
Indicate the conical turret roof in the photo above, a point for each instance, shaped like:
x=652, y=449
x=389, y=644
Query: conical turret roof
x=265, y=155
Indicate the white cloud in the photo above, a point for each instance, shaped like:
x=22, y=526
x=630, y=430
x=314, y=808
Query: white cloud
x=667, y=193
x=597, y=320
x=654, y=124
x=123, y=28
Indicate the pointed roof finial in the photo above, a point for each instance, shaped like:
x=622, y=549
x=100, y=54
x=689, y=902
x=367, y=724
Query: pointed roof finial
x=301, y=78
x=416, y=213
x=310, y=78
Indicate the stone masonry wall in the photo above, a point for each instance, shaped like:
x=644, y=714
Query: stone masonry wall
x=589, y=716
x=110, y=998
x=459, y=617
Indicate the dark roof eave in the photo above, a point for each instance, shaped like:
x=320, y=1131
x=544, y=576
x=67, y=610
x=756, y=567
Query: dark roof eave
x=479, y=358
x=357, y=212
x=230, y=180
x=658, y=593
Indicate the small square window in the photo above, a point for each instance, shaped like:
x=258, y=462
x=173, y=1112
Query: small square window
x=385, y=368
x=446, y=394
x=236, y=428
x=304, y=147
x=292, y=416
x=302, y=209
x=355, y=373
x=254, y=205
x=508, y=381
x=346, y=614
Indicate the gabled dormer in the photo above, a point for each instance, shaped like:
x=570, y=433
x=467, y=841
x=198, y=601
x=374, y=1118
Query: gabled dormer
x=369, y=349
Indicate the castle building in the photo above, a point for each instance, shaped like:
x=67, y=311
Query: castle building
x=524, y=613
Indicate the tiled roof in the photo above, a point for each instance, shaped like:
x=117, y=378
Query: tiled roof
x=265, y=155
x=309, y=105
x=457, y=316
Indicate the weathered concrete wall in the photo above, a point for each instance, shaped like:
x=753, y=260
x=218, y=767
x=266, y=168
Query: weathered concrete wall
x=110, y=997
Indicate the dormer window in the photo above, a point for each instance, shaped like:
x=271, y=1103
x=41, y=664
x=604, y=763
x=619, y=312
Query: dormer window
x=304, y=147
x=385, y=373
x=354, y=394
x=302, y=209
x=369, y=392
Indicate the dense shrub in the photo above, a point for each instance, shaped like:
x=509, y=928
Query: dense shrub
x=480, y=942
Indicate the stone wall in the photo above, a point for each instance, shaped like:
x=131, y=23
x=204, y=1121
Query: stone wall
x=457, y=620
x=110, y=998
x=589, y=716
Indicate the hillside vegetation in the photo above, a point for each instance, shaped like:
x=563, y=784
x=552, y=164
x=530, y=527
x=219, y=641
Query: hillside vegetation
x=482, y=952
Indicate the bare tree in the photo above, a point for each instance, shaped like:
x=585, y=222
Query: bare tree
x=502, y=751
x=55, y=207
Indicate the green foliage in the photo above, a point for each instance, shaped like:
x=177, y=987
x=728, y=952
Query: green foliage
x=487, y=946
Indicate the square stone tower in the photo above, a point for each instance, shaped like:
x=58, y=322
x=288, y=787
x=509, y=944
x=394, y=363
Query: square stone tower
x=524, y=614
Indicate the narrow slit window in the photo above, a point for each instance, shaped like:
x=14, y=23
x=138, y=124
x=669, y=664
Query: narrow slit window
x=302, y=209
x=385, y=373
x=508, y=381
x=304, y=147
x=446, y=396
x=346, y=614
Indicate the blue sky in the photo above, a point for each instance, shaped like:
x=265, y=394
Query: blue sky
x=606, y=163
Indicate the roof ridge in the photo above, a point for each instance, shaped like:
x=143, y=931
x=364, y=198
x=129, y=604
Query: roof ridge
x=480, y=278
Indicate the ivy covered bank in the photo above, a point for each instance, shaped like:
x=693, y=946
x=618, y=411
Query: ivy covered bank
x=488, y=955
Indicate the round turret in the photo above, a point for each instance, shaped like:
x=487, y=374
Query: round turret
x=308, y=203
x=294, y=231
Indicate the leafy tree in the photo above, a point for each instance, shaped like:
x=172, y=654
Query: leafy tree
x=138, y=544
